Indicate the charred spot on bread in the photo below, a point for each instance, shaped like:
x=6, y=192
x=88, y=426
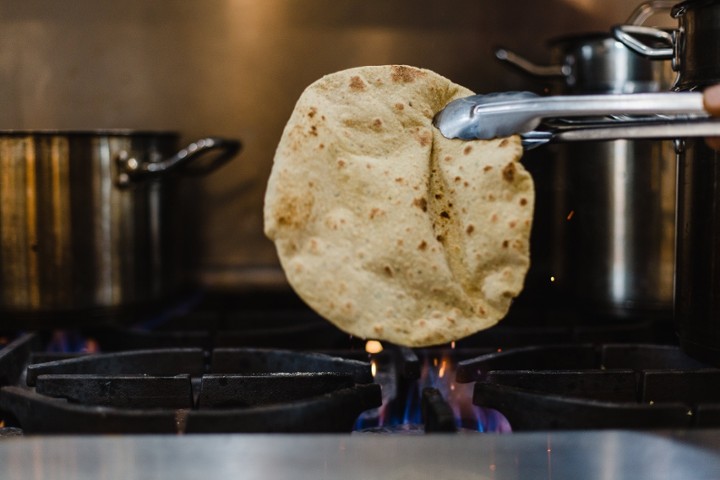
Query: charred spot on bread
x=508, y=172
x=357, y=84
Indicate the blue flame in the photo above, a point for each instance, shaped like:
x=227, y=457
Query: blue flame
x=438, y=373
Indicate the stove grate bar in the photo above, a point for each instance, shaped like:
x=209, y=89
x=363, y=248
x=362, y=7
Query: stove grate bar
x=134, y=392
x=13, y=358
x=254, y=360
x=224, y=391
x=156, y=362
x=543, y=357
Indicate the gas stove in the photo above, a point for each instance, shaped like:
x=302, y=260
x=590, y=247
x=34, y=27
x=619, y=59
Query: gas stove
x=263, y=385
x=266, y=363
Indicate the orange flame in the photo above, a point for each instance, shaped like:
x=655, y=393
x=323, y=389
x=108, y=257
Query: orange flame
x=441, y=371
x=373, y=347
x=91, y=346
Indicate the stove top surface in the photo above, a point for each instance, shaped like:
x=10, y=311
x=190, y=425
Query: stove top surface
x=180, y=372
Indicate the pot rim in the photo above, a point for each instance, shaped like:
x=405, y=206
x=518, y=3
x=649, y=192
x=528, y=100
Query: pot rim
x=105, y=132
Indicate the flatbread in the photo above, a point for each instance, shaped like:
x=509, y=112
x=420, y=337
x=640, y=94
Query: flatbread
x=384, y=227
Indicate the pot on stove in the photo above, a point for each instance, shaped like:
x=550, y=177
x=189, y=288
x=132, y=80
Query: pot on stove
x=694, y=49
x=611, y=229
x=87, y=223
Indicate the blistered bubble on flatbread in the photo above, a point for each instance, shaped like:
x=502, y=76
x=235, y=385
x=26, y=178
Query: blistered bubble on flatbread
x=386, y=228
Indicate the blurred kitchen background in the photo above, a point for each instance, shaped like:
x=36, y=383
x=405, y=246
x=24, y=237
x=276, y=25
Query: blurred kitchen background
x=235, y=68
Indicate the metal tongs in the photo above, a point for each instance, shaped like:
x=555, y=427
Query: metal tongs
x=541, y=120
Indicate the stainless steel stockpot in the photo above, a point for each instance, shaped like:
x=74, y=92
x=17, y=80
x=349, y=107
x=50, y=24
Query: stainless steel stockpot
x=610, y=232
x=592, y=63
x=87, y=224
x=694, y=48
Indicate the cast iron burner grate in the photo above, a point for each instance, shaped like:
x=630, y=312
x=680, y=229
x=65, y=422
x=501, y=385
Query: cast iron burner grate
x=596, y=386
x=182, y=390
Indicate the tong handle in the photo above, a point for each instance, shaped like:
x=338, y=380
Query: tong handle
x=524, y=115
x=508, y=113
x=682, y=103
x=647, y=129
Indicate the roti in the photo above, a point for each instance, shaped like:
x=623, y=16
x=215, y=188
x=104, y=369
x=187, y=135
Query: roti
x=386, y=228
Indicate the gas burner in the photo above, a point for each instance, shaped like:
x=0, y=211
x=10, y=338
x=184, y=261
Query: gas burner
x=182, y=390
x=587, y=386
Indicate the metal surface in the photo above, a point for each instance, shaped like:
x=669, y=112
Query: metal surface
x=161, y=362
x=121, y=391
x=577, y=357
x=598, y=202
x=254, y=360
x=608, y=386
x=335, y=412
x=630, y=130
x=77, y=233
x=504, y=114
x=528, y=409
x=627, y=34
x=615, y=223
x=647, y=9
x=223, y=391
x=437, y=414
x=594, y=63
x=611, y=398
x=235, y=68
x=526, y=66
x=182, y=390
x=553, y=456
x=692, y=46
x=131, y=169
x=697, y=287
x=696, y=45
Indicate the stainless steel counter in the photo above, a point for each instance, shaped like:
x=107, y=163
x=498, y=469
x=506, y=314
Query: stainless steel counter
x=552, y=456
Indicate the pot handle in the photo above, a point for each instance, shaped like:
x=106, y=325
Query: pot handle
x=526, y=66
x=628, y=36
x=647, y=9
x=132, y=170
